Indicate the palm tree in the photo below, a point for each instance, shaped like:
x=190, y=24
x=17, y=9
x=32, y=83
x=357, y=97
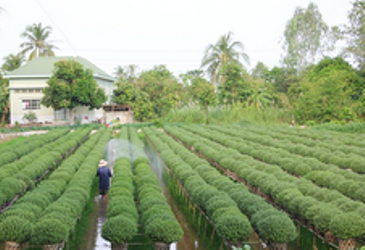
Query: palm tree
x=12, y=62
x=37, y=44
x=219, y=54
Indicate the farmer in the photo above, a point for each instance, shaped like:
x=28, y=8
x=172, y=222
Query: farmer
x=104, y=174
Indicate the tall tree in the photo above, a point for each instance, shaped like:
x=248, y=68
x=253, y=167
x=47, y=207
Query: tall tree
x=37, y=41
x=12, y=62
x=126, y=73
x=329, y=92
x=162, y=88
x=222, y=52
x=127, y=93
x=202, y=92
x=235, y=86
x=260, y=71
x=306, y=37
x=356, y=33
x=71, y=86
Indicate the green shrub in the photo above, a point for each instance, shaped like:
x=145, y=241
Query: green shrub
x=164, y=230
x=218, y=213
x=277, y=229
x=15, y=229
x=305, y=203
x=21, y=213
x=119, y=229
x=347, y=225
x=263, y=214
x=324, y=215
x=286, y=196
x=350, y=206
x=155, y=210
x=314, y=210
x=66, y=219
x=219, y=201
x=49, y=231
x=234, y=227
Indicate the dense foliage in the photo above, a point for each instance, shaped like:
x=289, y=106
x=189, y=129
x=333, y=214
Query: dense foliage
x=70, y=86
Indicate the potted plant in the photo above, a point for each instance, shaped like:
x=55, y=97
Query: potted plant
x=163, y=231
x=15, y=231
x=50, y=233
x=346, y=227
x=119, y=230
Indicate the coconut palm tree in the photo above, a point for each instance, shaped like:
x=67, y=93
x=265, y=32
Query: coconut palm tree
x=12, y=62
x=37, y=43
x=224, y=51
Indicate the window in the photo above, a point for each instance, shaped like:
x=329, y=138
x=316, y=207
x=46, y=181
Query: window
x=31, y=104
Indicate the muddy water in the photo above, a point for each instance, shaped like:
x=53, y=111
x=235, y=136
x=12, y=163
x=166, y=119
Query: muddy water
x=93, y=239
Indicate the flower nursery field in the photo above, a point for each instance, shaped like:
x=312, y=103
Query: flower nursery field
x=240, y=180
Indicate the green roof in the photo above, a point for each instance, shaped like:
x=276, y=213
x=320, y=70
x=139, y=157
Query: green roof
x=43, y=66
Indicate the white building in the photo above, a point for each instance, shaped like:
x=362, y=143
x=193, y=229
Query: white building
x=27, y=82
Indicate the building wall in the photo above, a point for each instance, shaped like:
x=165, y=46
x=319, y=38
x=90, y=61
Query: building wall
x=18, y=109
x=87, y=115
x=31, y=89
x=108, y=88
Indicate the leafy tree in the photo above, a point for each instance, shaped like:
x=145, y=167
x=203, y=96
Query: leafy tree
x=328, y=92
x=260, y=71
x=235, y=87
x=37, y=41
x=282, y=78
x=186, y=94
x=127, y=73
x=71, y=86
x=4, y=99
x=12, y=62
x=307, y=36
x=259, y=96
x=129, y=93
x=224, y=51
x=356, y=33
x=162, y=87
x=204, y=93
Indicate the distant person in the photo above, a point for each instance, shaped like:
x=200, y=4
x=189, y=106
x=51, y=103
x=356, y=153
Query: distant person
x=104, y=174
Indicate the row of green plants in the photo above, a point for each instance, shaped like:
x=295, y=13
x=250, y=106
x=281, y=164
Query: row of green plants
x=263, y=216
x=327, y=157
x=17, y=150
x=327, y=210
x=229, y=222
x=158, y=220
x=321, y=135
x=332, y=177
x=58, y=220
x=17, y=177
x=333, y=141
x=356, y=127
x=122, y=213
x=336, y=142
x=330, y=152
x=17, y=223
x=18, y=129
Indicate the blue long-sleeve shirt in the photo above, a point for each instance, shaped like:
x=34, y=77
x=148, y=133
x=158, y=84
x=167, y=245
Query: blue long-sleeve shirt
x=104, y=175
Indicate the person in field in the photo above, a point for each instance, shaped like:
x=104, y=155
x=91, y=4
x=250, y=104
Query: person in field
x=104, y=174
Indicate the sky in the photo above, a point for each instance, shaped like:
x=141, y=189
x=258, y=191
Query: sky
x=174, y=33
